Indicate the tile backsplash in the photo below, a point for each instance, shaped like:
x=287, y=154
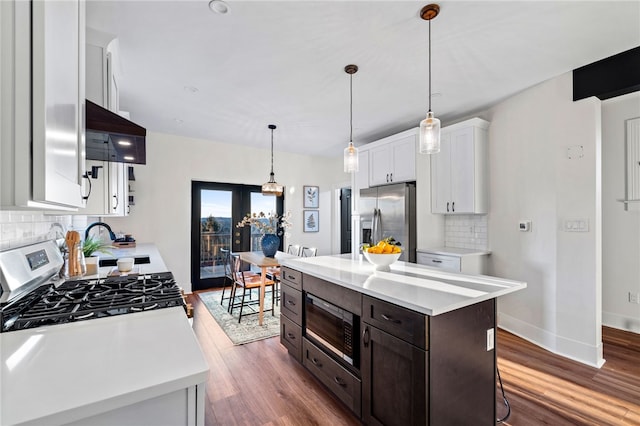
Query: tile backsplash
x=466, y=231
x=18, y=228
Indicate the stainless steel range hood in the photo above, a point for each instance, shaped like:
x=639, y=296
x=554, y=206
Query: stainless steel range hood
x=110, y=137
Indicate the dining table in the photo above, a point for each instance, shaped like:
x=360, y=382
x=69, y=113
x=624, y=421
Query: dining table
x=257, y=258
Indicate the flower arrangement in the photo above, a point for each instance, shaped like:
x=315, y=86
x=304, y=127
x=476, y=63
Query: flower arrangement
x=269, y=223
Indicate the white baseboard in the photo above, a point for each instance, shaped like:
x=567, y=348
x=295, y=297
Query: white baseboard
x=577, y=351
x=621, y=322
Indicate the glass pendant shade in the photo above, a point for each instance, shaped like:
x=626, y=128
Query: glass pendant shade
x=430, y=135
x=350, y=159
x=272, y=187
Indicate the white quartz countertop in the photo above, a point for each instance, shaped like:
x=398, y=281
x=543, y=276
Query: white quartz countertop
x=63, y=373
x=413, y=286
x=454, y=251
x=141, y=249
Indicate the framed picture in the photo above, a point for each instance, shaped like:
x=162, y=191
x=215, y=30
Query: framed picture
x=311, y=197
x=311, y=220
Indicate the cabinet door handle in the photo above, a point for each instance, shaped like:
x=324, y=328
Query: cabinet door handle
x=391, y=177
x=339, y=381
x=315, y=362
x=365, y=337
x=390, y=319
x=453, y=206
x=291, y=336
x=291, y=302
x=291, y=277
x=115, y=197
x=387, y=177
x=447, y=206
x=86, y=176
x=436, y=261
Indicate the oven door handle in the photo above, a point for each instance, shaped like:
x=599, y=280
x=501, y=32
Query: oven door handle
x=365, y=337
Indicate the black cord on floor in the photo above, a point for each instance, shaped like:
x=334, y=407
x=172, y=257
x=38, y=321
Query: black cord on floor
x=504, y=397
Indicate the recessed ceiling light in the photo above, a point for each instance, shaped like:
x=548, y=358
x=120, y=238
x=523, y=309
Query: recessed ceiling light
x=219, y=6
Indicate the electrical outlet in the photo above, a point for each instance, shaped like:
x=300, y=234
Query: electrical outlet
x=491, y=334
x=634, y=297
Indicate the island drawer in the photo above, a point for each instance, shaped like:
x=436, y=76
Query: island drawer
x=403, y=323
x=342, y=297
x=339, y=380
x=292, y=277
x=291, y=300
x=291, y=337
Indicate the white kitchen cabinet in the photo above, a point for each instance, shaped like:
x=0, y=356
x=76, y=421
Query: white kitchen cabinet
x=393, y=159
x=109, y=194
x=109, y=191
x=453, y=259
x=362, y=176
x=459, y=171
x=42, y=110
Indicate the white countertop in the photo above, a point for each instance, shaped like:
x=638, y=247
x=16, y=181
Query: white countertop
x=141, y=249
x=62, y=373
x=454, y=251
x=413, y=286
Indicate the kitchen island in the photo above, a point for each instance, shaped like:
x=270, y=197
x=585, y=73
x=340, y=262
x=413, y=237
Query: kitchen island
x=421, y=341
x=138, y=368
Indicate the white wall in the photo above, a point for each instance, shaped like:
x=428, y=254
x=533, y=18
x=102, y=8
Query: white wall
x=162, y=213
x=531, y=177
x=621, y=229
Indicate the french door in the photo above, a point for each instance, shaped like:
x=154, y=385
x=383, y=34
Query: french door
x=216, y=208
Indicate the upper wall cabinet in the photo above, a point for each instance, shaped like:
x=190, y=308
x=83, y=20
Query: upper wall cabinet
x=42, y=110
x=393, y=159
x=109, y=190
x=459, y=170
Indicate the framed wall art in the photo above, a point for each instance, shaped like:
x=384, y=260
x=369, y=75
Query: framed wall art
x=311, y=220
x=311, y=197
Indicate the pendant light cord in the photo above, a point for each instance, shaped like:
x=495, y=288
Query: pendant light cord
x=350, y=108
x=429, y=64
x=271, y=154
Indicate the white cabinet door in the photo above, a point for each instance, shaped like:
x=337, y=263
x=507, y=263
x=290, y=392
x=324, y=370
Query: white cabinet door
x=441, y=176
x=458, y=171
x=462, y=171
x=43, y=90
x=394, y=160
x=109, y=190
x=379, y=165
x=403, y=156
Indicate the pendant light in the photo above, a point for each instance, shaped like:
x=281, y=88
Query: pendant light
x=430, y=126
x=351, y=152
x=272, y=187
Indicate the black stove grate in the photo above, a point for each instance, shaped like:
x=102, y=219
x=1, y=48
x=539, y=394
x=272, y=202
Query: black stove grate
x=88, y=299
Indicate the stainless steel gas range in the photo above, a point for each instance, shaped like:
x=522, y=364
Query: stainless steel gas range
x=33, y=295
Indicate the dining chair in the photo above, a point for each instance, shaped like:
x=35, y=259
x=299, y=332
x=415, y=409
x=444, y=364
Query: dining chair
x=308, y=251
x=294, y=249
x=247, y=282
x=228, y=275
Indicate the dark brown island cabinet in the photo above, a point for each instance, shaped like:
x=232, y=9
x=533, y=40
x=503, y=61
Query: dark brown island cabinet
x=412, y=369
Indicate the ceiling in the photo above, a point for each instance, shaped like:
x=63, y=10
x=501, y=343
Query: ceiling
x=187, y=71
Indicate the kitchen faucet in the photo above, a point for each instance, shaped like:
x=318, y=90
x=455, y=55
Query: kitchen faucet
x=111, y=234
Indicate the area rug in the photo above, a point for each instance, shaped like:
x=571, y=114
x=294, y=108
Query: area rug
x=248, y=330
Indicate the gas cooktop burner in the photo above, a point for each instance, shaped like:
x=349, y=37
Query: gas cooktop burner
x=87, y=299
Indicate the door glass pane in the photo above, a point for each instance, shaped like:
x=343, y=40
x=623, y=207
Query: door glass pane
x=215, y=231
x=260, y=203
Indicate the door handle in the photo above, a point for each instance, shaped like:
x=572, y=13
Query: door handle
x=291, y=336
x=115, y=197
x=390, y=319
x=453, y=206
x=447, y=206
x=365, y=337
x=391, y=177
x=436, y=261
x=387, y=177
x=339, y=381
x=315, y=362
x=291, y=302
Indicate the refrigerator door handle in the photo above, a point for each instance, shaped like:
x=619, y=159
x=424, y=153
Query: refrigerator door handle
x=377, y=226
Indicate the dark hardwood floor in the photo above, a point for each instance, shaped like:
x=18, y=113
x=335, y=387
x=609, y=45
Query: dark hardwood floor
x=260, y=384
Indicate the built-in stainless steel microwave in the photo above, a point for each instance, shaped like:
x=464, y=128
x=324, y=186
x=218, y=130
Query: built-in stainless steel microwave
x=332, y=328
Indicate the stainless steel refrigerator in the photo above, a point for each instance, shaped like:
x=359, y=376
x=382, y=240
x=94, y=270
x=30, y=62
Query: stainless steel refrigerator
x=389, y=211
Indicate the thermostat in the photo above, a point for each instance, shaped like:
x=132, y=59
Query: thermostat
x=524, y=225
